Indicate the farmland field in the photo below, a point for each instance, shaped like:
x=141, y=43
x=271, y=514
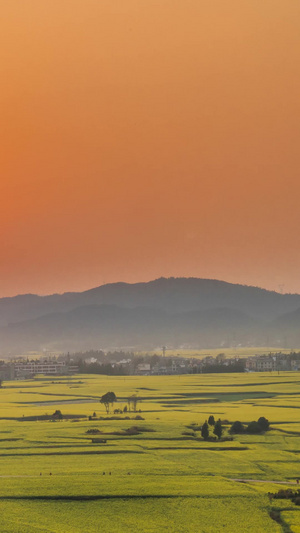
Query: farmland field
x=154, y=473
x=240, y=352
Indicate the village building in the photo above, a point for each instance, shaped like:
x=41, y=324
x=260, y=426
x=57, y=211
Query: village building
x=50, y=367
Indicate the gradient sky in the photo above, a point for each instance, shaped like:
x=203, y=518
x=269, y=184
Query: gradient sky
x=150, y=138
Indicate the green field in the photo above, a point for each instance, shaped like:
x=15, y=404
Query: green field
x=162, y=479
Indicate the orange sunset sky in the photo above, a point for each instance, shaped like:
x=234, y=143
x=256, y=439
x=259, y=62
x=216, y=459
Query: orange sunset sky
x=148, y=138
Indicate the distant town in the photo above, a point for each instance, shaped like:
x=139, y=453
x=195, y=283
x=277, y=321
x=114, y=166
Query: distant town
x=129, y=363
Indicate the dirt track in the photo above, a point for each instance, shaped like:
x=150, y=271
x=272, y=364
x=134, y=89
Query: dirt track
x=264, y=481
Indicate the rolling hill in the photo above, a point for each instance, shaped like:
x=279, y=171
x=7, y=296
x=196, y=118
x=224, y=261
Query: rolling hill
x=173, y=311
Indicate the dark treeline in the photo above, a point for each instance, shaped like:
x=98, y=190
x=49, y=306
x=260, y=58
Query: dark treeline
x=239, y=366
x=99, y=355
x=105, y=369
x=99, y=362
x=120, y=363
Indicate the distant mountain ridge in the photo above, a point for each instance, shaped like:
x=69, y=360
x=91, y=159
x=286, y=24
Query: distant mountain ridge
x=171, y=294
x=174, y=311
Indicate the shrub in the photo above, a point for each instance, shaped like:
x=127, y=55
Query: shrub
x=237, y=428
x=57, y=414
x=263, y=423
x=253, y=428
x=132, y=431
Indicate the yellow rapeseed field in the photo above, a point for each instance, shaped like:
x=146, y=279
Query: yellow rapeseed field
x=154, y=472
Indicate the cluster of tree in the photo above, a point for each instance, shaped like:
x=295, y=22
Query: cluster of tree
x=100, y=368
x=253, y=428
x=133, y=402
x=153, y=359
x=99, y=355
x=217, y=425
x=105, y=363
x=110, y=398
x=238, y=366
x=294, y=356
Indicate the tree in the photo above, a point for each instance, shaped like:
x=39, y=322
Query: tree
x=218, y=430
x=133, y=400
x=57, y=414
x=211, y=420
x=263, y=423
x=108, y=399
x=253, y=428
x=220, y=358
x=237, y=427
x=205, y=431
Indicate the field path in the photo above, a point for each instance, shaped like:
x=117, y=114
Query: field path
x=25, y=475
x=264, y=481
